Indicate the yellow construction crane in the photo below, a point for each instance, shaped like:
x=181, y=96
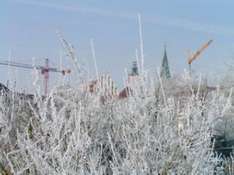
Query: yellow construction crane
x=197, y=53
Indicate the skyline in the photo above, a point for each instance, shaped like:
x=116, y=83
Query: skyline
x=29, y=30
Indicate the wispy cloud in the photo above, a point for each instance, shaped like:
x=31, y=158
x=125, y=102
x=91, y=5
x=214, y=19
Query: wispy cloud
x=158, y=20
x=78, y=9
x=192, y=26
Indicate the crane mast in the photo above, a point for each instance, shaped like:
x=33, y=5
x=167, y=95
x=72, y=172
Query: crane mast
x=43, y=69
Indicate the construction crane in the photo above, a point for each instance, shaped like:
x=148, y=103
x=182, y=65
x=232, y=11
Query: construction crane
x=69, y=50
x=44, y=70
x=198, y=53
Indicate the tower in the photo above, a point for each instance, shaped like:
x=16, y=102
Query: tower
x=134, y=69
x=133, y=76
x=165, y=70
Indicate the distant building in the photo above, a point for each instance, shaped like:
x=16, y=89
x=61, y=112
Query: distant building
x=125, y=93
x=133, y=79
x=135, y=71
x=103, y=85
x=3, y=89
x=133, y=76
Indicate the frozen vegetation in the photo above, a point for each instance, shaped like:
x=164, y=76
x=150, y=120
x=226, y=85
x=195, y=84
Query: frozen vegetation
x=162, y=127
x=157, y=125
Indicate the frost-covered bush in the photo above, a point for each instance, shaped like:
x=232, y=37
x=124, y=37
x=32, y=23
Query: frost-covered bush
x=165, y=128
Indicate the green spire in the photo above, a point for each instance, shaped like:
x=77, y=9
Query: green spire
x=165, y=70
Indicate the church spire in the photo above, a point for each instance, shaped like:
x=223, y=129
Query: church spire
x=165, y=70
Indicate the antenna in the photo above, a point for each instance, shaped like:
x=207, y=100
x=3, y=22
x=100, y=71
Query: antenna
x=94, y=56
x=141, y=43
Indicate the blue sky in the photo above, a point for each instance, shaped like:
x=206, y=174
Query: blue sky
x=28, y=29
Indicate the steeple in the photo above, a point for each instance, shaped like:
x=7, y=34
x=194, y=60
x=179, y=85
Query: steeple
x=165, y=70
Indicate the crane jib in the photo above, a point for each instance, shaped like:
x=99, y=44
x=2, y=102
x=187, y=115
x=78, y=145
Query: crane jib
x=198, y=52
x=44, y=70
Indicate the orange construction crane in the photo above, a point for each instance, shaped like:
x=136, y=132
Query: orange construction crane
x=198, y=52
